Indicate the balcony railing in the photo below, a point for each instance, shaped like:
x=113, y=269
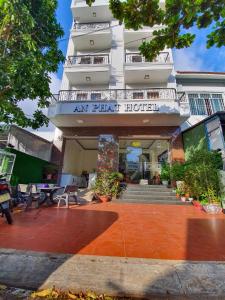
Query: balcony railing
x=91, y=26
x=88, y=59
x=163, y=57
x=113, y=95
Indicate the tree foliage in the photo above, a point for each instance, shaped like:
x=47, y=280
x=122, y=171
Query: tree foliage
x=174, y=20
x=28, y=54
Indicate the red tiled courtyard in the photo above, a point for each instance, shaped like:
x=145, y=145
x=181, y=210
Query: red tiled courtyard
x=126, y=230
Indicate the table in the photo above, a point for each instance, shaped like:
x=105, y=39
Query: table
x=49, y=192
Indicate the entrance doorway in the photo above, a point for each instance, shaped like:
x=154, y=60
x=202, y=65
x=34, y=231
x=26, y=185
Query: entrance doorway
x=142, y=159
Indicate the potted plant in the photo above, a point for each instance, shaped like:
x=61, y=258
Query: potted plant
x=213, y=205
x=107, y=185
x=165, y=173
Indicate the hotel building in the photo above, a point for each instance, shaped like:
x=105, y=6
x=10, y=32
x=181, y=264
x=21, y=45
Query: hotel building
x=117, y=110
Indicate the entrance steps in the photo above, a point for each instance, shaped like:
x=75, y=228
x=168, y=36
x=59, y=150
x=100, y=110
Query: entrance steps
x=150, y=194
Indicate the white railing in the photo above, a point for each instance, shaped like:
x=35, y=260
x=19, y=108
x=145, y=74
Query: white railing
x=108, y=95
x=88, y=59
x=91, y=26
x=163, y=57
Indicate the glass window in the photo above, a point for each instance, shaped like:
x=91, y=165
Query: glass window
x=138, y=95
x=98, y=60
x=152, y=95
x=136, y=58
x=82, y=96
x=85, y=60
x=95, y=96
x=205, y=104
x=217, y=105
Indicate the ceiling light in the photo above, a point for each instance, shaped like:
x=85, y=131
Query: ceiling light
x=146, y=76
x=92, y=42
x=94, y=14
x=88, y=78
x=80, y=121
x=145, y=121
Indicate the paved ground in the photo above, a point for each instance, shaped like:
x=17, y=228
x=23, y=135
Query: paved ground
x=114, y=276
x=123, y=230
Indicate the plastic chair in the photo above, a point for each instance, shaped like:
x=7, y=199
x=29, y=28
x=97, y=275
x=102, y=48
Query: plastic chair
x=69, y=191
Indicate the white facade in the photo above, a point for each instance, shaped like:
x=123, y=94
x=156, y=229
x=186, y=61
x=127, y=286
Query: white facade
x=205, y=92
x=107, y=84
x=104, y=66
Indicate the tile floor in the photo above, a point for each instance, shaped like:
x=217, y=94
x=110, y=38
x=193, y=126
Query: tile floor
x=113, y=229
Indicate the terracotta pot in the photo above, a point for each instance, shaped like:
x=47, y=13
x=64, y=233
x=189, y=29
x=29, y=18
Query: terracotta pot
x=104, y=198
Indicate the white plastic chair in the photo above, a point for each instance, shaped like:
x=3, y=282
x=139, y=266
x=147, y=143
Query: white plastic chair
x=69, y=191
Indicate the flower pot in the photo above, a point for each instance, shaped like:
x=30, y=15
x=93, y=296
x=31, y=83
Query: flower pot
x=165, y=182
x=104, y=198
x=183, y=198
x=212, y=208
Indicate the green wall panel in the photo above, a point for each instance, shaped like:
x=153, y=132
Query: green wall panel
x=194, y=138
x=27, y=168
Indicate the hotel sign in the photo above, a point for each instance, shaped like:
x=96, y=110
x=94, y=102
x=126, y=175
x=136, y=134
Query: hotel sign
x=123, y=107
x=115, y=107
x=103, y=107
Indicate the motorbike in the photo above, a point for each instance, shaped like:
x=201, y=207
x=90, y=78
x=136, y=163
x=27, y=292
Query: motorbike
x=5, y=199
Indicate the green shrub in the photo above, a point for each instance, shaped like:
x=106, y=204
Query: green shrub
x=177, y=171
x=165, y=171
x=201, y=173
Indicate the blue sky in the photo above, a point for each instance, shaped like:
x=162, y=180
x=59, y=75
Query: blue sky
x=195, y=58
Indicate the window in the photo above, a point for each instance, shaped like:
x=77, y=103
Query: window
x=82, y=96
x=136, y=58
x=85, y=60
x=152, y=95
x=205, y=104
x=138, y=95
x=98, y=60
x=96, y=96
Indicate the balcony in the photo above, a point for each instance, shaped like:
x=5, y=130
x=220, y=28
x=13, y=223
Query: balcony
x=118, y=95
x=139, y=70
x=98, y=11
x=118, y=107
x=93, y=36
x=134, y=38
x=88, y=69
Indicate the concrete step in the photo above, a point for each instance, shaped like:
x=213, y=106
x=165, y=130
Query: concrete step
x=147, y=188
x=152, y=193
x=161, y=202
x=148, y=198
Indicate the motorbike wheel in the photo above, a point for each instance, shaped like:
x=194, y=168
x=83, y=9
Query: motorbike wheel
x=8, y=216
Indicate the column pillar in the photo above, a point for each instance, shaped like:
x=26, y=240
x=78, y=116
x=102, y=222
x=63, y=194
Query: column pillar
x=58, y=149
x=108, y=153
x=177, y=149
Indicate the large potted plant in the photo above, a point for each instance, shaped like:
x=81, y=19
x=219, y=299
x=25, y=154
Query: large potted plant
x=107, y=185
x=165, y=173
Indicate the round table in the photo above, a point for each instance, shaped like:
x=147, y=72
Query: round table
x=49, y=192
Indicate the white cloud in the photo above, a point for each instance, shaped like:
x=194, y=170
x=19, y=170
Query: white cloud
x=188, y=59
